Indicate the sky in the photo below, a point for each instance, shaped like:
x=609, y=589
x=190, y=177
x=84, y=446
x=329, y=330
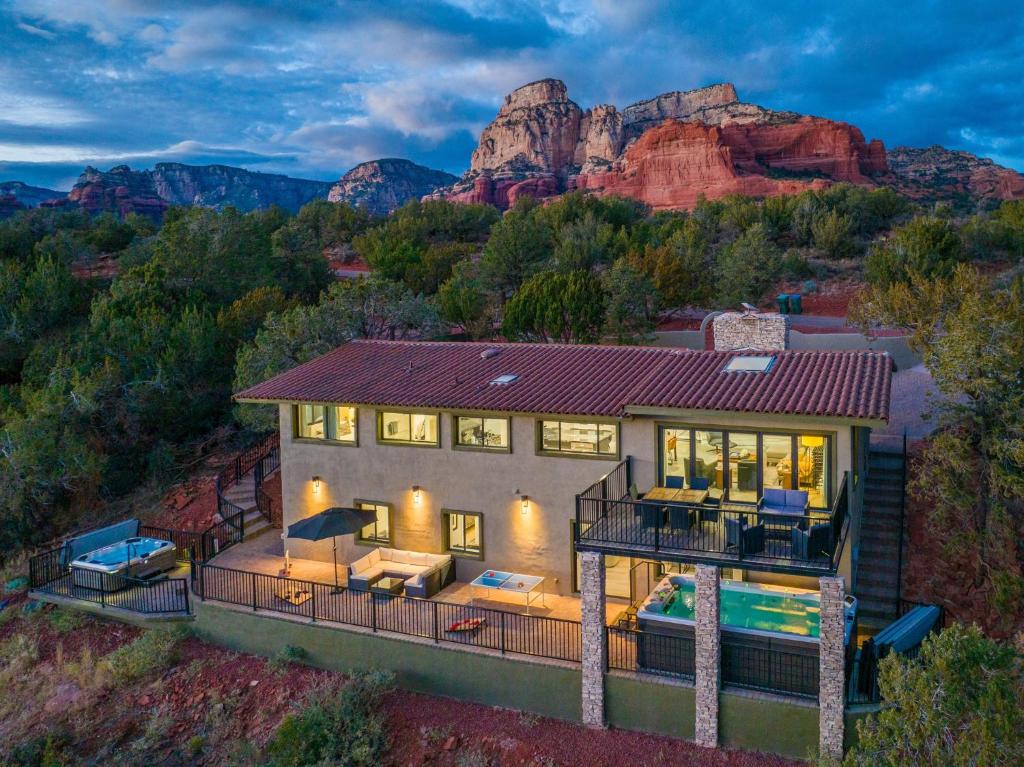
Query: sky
x=311, y=89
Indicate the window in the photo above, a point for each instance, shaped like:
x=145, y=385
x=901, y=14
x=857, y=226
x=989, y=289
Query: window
x=572, y=438
x=327, y=422
x=378, y=531
x=749, y=364
x=464, y=532
x=751, y=463
x=408, y=428
x=480, y=432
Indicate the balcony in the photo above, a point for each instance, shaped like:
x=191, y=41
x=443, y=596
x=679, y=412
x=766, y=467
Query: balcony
x=610, y=521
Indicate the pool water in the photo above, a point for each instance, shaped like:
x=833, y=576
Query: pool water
x=754, y=609
x=118, y=553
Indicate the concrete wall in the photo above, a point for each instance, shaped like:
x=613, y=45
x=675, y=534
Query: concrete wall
x=546, y=689
x=538, y=542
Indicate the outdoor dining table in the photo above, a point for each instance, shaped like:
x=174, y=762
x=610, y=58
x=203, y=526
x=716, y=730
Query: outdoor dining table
x=676, y=495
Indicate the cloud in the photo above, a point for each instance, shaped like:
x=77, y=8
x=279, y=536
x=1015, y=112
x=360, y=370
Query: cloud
x=311, y=89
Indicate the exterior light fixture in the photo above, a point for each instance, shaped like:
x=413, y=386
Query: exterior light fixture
x=417, y=496
x=525, y=499
x=316, y=484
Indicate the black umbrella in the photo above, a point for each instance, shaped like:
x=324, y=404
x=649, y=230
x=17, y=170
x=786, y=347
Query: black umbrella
x=330, y=523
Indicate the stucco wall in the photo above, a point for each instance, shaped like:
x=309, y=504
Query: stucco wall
x=538, y=542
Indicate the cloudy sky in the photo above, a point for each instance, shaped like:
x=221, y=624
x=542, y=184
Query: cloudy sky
x=312, y=88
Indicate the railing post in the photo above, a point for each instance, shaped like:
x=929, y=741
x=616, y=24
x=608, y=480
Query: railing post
x=502, y=632
x=373, y=611
x=202, y=581
x=312, y=602
x=254, y=592
x=437, y=629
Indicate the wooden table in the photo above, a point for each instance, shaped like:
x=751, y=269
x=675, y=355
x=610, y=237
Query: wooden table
x=676, y=495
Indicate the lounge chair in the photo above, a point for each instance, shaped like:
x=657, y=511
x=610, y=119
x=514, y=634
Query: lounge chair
x=748, y=539
x=808, y=544
x=785, y=503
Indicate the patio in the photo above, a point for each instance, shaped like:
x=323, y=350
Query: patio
x=264, y=555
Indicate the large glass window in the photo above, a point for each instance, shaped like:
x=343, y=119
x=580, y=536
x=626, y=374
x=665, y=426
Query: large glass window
x=463, y=532
x=675, y=454
x=576, y=438
x=408, y=428
x=378, y=531
x=777, y=461
x=477, y=431
x=812, y=452
x=331, y=422
x=707, y=460
x=743, y=467
x=751, y=462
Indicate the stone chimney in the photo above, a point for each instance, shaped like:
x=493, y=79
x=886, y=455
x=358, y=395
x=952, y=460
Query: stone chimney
x=751, y=330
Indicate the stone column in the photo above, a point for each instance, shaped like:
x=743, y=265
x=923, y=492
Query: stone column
x=832, y=669
x=708, y=655
x=592, y=617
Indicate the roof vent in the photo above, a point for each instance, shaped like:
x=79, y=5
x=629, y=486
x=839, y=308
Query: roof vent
x=750, y=364
x=504, y=380
x=486, y=354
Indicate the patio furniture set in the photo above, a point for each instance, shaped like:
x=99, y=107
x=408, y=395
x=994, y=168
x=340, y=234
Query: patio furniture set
x=780, y=515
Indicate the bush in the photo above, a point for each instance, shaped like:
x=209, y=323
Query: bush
x=153, y=651
x=929, y=247
x=65, y=621
x=340, y=726
x=287, y=655
x=958, y=703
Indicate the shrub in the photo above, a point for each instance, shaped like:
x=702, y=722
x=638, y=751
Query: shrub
x=929, y=247
x=287, y=655
x=65, y=621
x=152, y=651
x=336, y=725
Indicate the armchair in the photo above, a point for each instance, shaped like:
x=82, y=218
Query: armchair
x=748, y=539
x=651, y=515
x=808, y=544
x=676, y=483
x=680, y=517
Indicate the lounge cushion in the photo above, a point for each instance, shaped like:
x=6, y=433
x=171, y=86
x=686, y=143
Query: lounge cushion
x=796, y=498
x=774, y=497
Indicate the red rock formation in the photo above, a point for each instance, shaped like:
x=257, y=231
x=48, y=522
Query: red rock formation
x=935, y=173
x=120, y=190
x=9, y=205
x=674, y=164
x=381, y=186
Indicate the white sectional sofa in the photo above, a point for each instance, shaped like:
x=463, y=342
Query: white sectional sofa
x=424, y=574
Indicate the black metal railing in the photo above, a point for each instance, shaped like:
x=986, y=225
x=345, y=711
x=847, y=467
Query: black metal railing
x=188, y=545
x=243, y=463
x=438, y=621
x=724, y=534
x=631, y=649
x=48, y=574
x=773, y=669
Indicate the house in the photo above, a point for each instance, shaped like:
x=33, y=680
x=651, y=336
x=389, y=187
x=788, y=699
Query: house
x=728, y=477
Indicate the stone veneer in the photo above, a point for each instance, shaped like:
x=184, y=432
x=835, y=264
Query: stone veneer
x=708, y=649
x=757, y=331
x=592, y=615
x=832, y=670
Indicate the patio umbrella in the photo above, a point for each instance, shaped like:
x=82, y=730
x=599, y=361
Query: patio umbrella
x=330, y=523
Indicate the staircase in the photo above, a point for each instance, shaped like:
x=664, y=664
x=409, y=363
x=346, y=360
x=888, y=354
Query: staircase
x=242, y=494
x=878, y=568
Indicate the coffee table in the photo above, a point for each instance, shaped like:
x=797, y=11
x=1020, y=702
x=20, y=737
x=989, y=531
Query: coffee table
x=530, y=586
x=388, y=587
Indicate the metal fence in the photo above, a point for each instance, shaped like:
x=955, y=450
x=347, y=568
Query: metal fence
x=505, y=632
x=166, y=595
x=244, y=462
x=773, y=669
x=631, y=649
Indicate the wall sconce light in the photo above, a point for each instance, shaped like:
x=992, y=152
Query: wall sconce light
x=416, y=495
x=316, y=484
x=525, y=503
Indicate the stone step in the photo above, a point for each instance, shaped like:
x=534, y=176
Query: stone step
x=886, y=460
x=881, y=527
x=876, y=581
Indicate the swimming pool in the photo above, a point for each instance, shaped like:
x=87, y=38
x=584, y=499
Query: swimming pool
x=749, y=608
x=106, y=568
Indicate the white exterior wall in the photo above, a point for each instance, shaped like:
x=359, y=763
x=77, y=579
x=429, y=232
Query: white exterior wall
x=538, y=542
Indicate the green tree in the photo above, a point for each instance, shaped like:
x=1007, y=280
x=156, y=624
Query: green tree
x=680, y=269
x=746, y=268
x=959, y=703
x=930, y=247
x=632, y=303
x=833, y=233
x=519, y=246
x=462, y=300
x=566, y=307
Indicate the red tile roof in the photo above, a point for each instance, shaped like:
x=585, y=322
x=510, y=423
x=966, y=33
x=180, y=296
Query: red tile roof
x=584, y=380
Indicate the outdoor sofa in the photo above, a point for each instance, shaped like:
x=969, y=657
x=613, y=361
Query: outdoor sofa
x=424, y=574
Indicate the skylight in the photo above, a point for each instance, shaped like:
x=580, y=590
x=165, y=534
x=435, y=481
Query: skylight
x=504, y=380
x=750, y=364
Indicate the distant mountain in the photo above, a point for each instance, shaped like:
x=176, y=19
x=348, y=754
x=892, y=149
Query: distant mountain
x=936, y=173
x=29, y=196
x=150, y=192
x=673, y=149
x=383, y=185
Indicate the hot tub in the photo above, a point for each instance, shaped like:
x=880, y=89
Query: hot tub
x=108, y=568
x=754, y=618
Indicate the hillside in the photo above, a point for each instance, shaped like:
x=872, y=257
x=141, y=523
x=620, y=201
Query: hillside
x=381, y=186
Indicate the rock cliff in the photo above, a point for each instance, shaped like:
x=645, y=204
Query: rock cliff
x=122, y=190
x=935, y=173
x=701, y=142
x=28, y=196
x=383, y=185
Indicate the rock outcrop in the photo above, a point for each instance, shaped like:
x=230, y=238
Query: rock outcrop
x=122, y=190
x=935, y=173
x=381, y=186
x=666, y=151
x=27, y=195
x=9, y=205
